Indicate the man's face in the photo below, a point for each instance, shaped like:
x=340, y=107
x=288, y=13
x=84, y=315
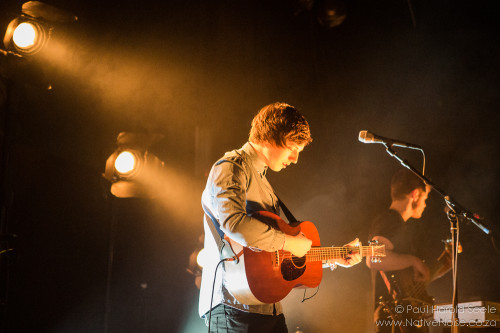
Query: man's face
x=419, y=204
x=278, y=158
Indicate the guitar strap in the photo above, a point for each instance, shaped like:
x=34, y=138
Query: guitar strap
x=214, y=226
x=388, y=284
x=291, y=219
x=286, y=211
x=226, y=251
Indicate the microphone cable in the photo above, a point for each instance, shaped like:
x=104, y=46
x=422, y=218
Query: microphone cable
x=213, y=289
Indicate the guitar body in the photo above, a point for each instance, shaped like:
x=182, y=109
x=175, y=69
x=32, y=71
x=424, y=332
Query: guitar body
x=405, y=291
x=266, y=277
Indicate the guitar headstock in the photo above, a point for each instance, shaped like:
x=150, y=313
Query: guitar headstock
x=376, y=251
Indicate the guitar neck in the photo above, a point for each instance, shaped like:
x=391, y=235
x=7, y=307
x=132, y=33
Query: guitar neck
x=332, y=253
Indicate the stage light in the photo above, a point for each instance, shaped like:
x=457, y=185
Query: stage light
x=26, y=36
x=130, y=171
x=30, y=32
x=132, y=167
x=126, y=162
x=197, y=259
x=202, y=258
x=331, y=13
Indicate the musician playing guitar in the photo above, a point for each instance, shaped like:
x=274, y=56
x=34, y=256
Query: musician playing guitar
x=394, y=229
x=236, y=189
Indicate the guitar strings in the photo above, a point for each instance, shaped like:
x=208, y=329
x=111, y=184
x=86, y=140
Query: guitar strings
x=324, y=253
x=418, y=288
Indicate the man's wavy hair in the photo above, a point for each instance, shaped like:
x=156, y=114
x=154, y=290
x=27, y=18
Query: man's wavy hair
x=403, y=183
x=278, y=123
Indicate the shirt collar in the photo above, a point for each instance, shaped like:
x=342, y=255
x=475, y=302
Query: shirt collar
x=259, y=165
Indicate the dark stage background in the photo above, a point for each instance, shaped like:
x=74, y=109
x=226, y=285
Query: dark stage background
x=196, y=72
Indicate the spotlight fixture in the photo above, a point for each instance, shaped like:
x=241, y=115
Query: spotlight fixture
x=331, y=13
x=130, y=167
x=197, y=260
x=26, y=36
x=29, y=33
x=127, y=163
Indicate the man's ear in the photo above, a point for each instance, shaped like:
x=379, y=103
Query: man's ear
x=414, y=195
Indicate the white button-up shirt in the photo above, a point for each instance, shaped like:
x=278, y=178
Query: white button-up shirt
x=237, y=187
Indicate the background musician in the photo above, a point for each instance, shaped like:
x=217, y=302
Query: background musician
x=395, y=229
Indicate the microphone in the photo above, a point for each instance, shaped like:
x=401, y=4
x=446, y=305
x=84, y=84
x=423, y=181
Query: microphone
x=367, y=137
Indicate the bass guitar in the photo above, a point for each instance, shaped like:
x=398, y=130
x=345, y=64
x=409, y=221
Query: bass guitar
x=410, y=294
x=259, y=277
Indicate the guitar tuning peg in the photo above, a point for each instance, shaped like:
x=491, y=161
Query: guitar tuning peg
x=373, y=242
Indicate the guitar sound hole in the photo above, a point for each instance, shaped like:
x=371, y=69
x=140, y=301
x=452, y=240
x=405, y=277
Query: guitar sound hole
x=292, y=269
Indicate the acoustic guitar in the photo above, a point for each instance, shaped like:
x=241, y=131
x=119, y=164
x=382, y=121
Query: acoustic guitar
x=259, y=277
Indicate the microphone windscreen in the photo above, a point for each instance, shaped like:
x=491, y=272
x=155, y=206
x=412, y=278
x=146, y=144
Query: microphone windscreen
x=365, y=137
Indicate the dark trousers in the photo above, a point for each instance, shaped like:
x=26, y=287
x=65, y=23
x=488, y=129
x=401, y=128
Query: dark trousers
x=226, y=319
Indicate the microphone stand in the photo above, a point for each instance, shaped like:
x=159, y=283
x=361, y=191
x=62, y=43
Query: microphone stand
x=455, y=211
